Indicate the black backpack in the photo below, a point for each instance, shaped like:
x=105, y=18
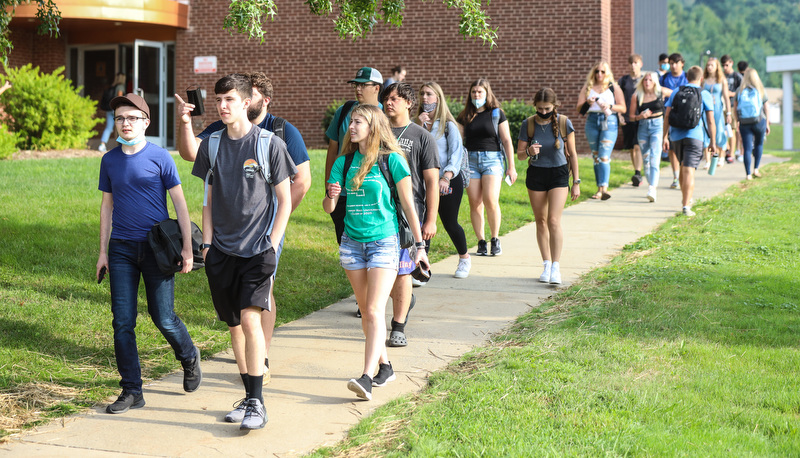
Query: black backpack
x=108, y=96
x=687, y=108
x=167, y=242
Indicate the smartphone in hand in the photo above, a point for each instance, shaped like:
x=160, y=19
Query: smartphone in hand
x=101, y=275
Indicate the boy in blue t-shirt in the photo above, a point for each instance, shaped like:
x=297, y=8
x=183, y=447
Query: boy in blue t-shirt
x=135, y=178
x=670, y=81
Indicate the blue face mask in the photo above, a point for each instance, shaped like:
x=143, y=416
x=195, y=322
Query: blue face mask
x=479, y=102
x=133, y=142
x=664, y=67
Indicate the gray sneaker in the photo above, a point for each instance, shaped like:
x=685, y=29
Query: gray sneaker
x=255, y=417
x=361, y=386
x=125, y=402
x=237, y=414
x=464, y=265
x=192, y=375
x=385, y=375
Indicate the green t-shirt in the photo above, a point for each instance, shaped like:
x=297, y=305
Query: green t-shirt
x=371, y=213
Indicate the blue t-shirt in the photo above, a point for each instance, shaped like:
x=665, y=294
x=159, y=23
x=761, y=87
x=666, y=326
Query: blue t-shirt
x=370, y=211
x=294, y=140
x=697, y=131
x=138, y=183
x=339, y=136
x=673, y=82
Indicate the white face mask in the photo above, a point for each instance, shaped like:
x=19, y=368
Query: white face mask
x=133, y=142
x=479, y=102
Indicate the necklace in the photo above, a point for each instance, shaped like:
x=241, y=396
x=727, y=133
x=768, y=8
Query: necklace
x=404, y=131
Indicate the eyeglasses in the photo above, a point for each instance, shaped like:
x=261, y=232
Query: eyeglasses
x=131, y=119
x=362, y=85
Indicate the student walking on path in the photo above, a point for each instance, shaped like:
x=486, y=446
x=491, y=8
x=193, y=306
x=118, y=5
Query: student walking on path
x=647, y=107
x=370, y=247
x=488, y=140
x=135, y=178
x=716, y=84
x=434, y=115
x=547, y=140
x=753, y=115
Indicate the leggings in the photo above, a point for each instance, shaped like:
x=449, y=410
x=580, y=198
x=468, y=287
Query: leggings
x=448, y=213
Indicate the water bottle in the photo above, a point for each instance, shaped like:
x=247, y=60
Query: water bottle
x=713, y=167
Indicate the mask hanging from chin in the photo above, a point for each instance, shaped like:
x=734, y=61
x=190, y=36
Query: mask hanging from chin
x=133, y=142
x=479, y=103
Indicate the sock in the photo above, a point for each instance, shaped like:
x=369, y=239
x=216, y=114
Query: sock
x=638, y=172
x=255, y=387
x=246, y=382
x=401, y=327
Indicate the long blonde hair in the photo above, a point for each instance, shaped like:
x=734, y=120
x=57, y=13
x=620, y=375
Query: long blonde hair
x=751, y=79
x=441, y=113
x=640, y=86
x=380, y=140
x=608, y=80
x=718, y=74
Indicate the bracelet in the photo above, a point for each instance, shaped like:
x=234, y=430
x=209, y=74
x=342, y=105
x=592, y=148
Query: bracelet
x=419, y=244
x=204, y=246
x=328, y=195
x=445, y=178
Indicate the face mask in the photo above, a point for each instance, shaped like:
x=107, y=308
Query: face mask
x=547, y=115
x=479, y=102
x=428, y=107
x=133, y=142
x=664, y=67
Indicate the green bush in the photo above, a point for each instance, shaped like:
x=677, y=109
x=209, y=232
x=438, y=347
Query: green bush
x=48, y=113
x=8, y=142
x=516, y=112
x=330, y=110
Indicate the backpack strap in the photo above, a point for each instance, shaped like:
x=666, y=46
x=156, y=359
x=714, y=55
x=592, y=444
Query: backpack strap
x=213, y=148
x=343, y=114
x=531, y=128
x=348, y=161
x=262, y=156
x=279, y=128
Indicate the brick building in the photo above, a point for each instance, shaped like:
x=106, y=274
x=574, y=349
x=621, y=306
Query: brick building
x=539, y=44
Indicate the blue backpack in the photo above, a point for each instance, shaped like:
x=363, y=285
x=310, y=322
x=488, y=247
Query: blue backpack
x=748, y=105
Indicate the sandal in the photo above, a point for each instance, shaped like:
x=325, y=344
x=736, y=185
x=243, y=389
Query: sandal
x=606, y=196
x=597, y=196
x=397, y=339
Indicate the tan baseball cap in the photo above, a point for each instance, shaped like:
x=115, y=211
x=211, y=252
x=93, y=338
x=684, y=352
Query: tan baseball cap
x=133, y=100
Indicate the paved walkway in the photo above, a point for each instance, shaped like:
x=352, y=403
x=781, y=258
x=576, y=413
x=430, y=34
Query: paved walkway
x=312, y=358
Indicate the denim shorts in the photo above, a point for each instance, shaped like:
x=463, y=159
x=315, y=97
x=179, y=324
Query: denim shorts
x=382, y=253
x=485, y=163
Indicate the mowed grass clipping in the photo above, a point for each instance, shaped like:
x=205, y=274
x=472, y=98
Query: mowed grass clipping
x=686, y=344
x=56, y=340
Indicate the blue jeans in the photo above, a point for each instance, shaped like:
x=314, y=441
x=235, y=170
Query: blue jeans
x=650, y=141
x=128, y=260
x=601, y=133
x=753, y=143
x=109, y=127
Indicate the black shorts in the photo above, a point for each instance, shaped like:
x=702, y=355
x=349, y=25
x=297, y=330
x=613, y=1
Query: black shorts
x=547, y=178
x=630, y=133
x=237, y=283
x=688, y=151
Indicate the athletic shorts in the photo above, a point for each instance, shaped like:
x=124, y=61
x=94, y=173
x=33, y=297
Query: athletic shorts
x=547, y=178
x=689, y=151
x=237, y=283
x=630, y=134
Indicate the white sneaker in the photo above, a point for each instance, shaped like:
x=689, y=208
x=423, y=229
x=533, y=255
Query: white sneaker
x=545, y=276
x=687, y=211
x=102, y=148
x=555, y=274
x=651, y=193
x=464, y=265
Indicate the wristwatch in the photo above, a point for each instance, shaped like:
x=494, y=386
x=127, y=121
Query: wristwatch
x=578, y=181
x=203, y=246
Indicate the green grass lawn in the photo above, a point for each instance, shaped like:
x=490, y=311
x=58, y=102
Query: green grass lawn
x=686, y=344
x=774, y=141
x=56, y=342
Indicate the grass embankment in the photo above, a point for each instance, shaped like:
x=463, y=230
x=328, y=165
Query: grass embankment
x=685, y=344
x=56, y=342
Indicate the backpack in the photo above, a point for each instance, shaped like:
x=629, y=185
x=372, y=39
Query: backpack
x=262, y=156
x=405, y=235
x=167, y=242
x=108, y=96
x=279, y=128
x=687, y=108
x=464, y=173
x=337, y=215
x=343, y=114
x=748, y=106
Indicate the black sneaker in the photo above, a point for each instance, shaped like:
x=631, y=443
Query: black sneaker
x=192, y=375
x=385, y=375
x=481, y=248
x=636, y=180
x=126, y=401
x=496, y=250
x=362, y=387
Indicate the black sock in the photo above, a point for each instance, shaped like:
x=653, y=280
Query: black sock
x=246, y=382
x=255, y=387
x=638, y=172
x=401, y=327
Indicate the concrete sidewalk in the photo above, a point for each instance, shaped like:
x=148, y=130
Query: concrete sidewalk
x=307, y=401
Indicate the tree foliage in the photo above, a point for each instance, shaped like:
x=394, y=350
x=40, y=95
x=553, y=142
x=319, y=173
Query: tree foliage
x=354, y=18
x=47, y=12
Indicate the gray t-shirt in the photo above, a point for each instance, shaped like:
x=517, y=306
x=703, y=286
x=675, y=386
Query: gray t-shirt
x=548, y=156
x=422, y=154
x=241, y=200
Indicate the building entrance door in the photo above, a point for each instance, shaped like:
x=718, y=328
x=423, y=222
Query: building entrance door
x=149, y=81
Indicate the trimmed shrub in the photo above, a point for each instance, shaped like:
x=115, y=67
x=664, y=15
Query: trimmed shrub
x=48, y=113
x=8, y=142
x=330, y=110
x=516, y=112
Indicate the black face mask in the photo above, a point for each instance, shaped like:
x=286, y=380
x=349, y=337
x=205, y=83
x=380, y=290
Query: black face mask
x=547, y=115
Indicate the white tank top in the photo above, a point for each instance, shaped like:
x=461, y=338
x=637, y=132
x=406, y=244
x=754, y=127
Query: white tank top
x=606, y=97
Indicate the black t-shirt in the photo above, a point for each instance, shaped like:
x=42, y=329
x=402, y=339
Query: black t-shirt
x=734, y=80
x=628, y=85
x=480, y=134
